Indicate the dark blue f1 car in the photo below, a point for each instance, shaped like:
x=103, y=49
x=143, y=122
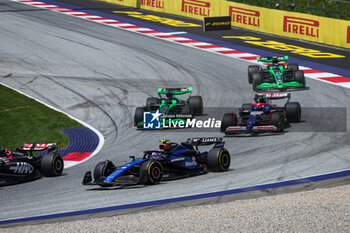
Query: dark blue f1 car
x=262, y=116
x=170, y=161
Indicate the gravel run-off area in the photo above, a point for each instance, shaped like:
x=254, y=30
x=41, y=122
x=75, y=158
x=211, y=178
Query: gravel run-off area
x=319, y=210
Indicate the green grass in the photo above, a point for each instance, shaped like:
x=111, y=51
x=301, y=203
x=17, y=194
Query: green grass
x=24, y=120
x=324, y=8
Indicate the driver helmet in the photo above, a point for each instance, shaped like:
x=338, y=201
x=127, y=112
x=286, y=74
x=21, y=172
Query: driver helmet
x=260, y=99
x=164, y=147
x=275, y=61
x=6, y=153
x=169, y=95
x=167, y=146
x=275, y=64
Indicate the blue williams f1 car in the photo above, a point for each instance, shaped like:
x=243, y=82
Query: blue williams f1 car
x=170, y=161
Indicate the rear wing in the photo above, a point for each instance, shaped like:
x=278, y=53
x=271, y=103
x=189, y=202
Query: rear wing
x=37, y=146
x=175, y=91
x=270, y=96
x=205, y=141
x=272, y=59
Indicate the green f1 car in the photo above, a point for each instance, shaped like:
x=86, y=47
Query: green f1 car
x=172, y=108
x=275, y=75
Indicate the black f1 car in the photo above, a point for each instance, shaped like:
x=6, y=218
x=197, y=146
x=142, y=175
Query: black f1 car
x=170, y=161
x=262, y=116
x=22, y=165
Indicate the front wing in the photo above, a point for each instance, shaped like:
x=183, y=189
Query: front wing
x=292, y=84
x=10, y=179
x=255, y=129
x=121, y=181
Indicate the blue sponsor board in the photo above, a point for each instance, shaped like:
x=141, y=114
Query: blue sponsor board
x=151, y=120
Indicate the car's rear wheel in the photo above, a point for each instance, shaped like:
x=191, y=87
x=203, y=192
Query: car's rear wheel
x=151, y=172
x=138, y=117
x=299, y=77
x=228, y=120
x=277, y=119
x=252, y=69
x=218, y=159
x=196, y=103
x=257, y=80
x=52, y=164
x=293, y=111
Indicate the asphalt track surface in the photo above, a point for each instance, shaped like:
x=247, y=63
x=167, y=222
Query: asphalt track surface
x=100, y=74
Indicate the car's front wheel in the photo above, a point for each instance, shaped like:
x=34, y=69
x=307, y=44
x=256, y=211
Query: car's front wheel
x=257, y=80
x=252, y=69
x=138, y=117
x=228, y=120
x=102, y=170
x=151, y=172
x=299, y=77
x=277, y=119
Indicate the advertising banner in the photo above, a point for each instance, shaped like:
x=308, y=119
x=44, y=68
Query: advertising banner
x=190, y=8
x=284, y=23
x=290, y=24
x=131, y=3
x=217, y=23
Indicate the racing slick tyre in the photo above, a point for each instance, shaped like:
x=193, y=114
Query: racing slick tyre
x=218, y=159
x=152, y=101
x=51, y=164
x=277, y=119
x=293, y=66
x=299, y=77
x=103, y=169
x=293, y=111
x=138, y=117
x=257, y=80
x=252, y=69
x=229, y=119
x=196, y=103
x=151, y=172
